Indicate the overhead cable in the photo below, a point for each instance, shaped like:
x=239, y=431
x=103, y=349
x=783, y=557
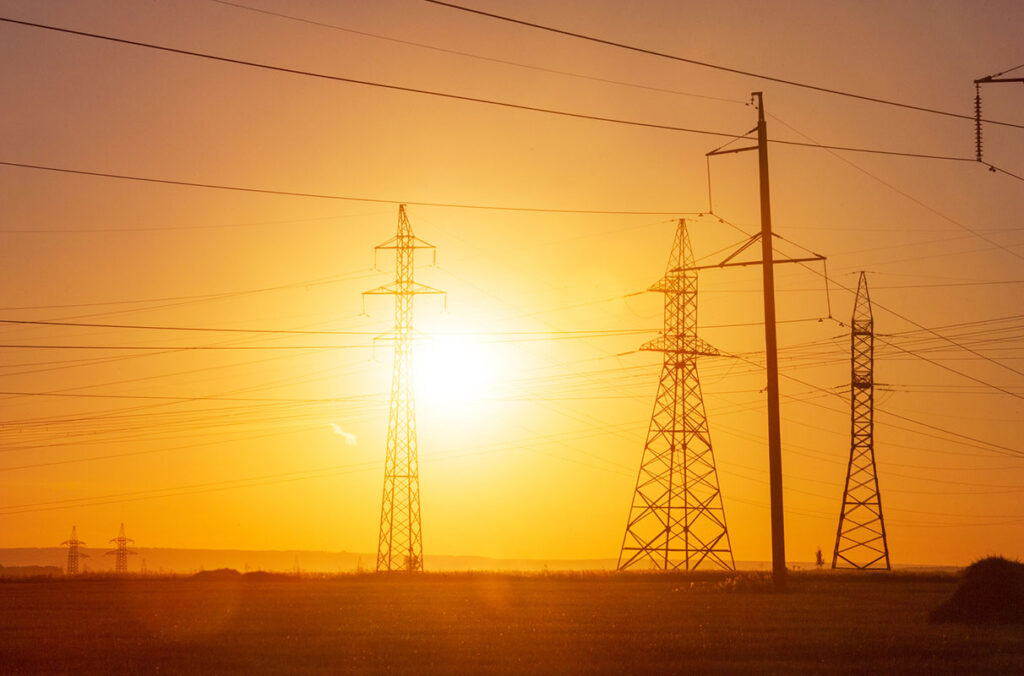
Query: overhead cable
x=479, y=57
x=705, y=64
x=326, y=196
x=448, y=95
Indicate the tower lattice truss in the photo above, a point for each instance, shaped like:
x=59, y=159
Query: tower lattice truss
x=860, y=539
x=400, y=543
x=677, y=519
x=120, y=551
x=75, y=555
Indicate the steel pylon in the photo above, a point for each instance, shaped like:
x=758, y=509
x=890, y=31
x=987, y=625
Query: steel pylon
x=860, y=538
x=400, y=543
x=121, y=551
x=676, y=518
x=74, y=554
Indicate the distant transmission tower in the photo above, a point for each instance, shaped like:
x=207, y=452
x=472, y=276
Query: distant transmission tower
x=400, y=544
x=860, y=539
x=74, y=554
x=676, y=519
x=121, y=552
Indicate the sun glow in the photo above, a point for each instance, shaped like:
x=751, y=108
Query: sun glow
x=454, y=369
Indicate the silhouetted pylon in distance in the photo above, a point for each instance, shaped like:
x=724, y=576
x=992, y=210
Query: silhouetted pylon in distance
x=74, y=553
x=860, y=538
x=121, y=552
x=676, y=519
x=400, y=543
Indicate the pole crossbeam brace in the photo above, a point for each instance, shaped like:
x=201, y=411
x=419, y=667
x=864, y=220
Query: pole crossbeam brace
x=740, y=264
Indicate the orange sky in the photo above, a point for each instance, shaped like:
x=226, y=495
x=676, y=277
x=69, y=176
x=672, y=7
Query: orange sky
x=530, y=448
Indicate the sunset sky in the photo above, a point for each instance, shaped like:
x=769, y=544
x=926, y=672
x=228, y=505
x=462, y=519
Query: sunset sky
x=533, y=401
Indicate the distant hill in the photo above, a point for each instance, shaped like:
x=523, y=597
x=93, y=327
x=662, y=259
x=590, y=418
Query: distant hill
x=30, y=571
x=166, y=560
x=157, y=560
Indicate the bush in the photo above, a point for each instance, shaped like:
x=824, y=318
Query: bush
x=218, y=574
x=992, y=591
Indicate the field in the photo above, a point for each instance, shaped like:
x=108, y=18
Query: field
x=444, y=623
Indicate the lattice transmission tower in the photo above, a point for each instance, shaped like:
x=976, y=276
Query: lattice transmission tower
x=400, y=544
x=74, y=553
x=121, y=551
x=860, y=538
x=676, y=518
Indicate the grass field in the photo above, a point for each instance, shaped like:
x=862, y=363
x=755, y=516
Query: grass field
x=444, y=623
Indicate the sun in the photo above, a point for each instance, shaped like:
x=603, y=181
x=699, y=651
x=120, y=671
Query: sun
x=453, y=369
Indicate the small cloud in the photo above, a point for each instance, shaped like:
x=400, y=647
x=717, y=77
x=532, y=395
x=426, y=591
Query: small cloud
x=350, y=439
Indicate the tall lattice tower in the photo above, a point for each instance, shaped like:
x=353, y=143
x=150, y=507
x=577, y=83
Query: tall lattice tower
x=400, y=544
x=676, y=519
x=860, y=539
x=74, y=553
x=121, y=551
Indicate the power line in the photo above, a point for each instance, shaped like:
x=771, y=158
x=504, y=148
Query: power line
x=149, y=451
x=549, y=332
x=960, y=373
x=944, y=338
x=447, y=95
x=705, y=64
x=242, y=483
x=960, y=325
x=1001, y=73
x=567, y=335
x=1015, y=452
x=368, y=83
x=326, y=400
x=881, y=288
x=949, y=285
x=816, y=454
x=173, y=228
x=200, y=297
x=913, y=199
x=184, y=347
x=325, y=196
x=587, y=333
x=982, y=444
x=992, y=167
x=182, y=490
x=444, y=50
x=919, y=326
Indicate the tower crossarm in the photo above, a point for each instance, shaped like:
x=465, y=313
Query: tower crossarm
x=413, y=242
x=681, y=345
x=403, y=288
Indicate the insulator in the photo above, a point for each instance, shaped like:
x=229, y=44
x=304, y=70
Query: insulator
x=977, y=121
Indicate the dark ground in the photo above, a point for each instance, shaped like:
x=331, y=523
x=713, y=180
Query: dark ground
x=445, y=623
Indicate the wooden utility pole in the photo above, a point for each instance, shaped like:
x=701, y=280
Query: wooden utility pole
x=767, y=264
x=771, y=359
